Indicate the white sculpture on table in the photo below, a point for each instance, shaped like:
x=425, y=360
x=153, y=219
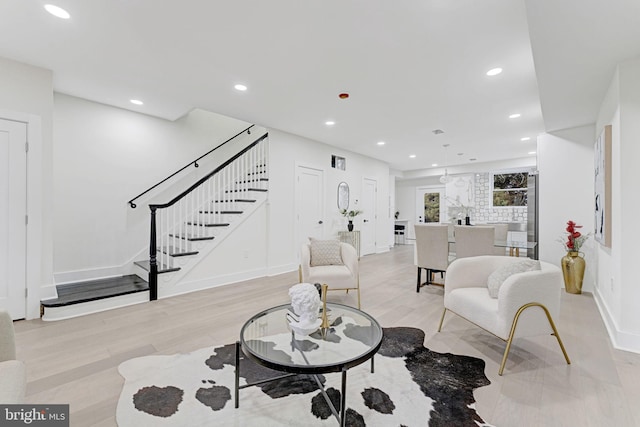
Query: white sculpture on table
x=305, y=302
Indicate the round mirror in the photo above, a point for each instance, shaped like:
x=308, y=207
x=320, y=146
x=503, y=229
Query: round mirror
x=343, y=196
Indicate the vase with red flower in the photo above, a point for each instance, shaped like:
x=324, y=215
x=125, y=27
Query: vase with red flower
x=573, y=263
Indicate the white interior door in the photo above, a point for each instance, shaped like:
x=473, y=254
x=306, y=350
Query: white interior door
x=309, y=203
x=369, y=216
x=13, y=208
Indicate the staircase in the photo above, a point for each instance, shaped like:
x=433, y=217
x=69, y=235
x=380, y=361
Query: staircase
x=183, y=233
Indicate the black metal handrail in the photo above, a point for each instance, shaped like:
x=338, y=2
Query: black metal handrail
x=209, y=175
x=153, y=261
x=194, y=163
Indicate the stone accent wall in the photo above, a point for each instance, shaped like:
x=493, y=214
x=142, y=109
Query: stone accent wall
x=484, y=212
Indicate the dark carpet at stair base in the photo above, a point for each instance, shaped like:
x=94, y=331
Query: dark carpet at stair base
x=411, y=386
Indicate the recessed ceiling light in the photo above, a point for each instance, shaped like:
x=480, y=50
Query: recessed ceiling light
x=412, y=156
x=381, y=142
x=526, y=138
x=56, y=11
x=240, y=87
x=514, y=116
x=329, y=123
x=494, y=71
x=434, y=164
x=532, y=152
x=136, y=102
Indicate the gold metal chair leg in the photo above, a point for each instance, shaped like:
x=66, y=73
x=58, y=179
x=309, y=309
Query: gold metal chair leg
x=513, y=330
x=506, y=353
x=358, y=284
x=299, y=274
x=442, y=319
x=555, y=332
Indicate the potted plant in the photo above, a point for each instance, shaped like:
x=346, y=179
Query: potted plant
x=350, y=215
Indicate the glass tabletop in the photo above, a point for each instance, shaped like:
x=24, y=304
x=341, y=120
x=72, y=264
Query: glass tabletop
x=354, y=336
x=514, y=244
x=508, y=243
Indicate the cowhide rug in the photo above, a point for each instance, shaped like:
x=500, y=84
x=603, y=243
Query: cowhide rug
x=411, y=386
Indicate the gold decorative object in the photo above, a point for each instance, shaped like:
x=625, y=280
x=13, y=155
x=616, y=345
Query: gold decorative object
x=573, y=266
x=324, y=326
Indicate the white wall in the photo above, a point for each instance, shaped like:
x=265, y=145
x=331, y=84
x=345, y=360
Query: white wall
x=240, y=256
x=628, y=231
x=286, y=151
x=565, y=191
x=104, y=156
x=618, y=293
x=408, y=182
x=26, y=94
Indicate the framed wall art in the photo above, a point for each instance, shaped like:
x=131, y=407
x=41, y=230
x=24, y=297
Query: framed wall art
x=602, y=196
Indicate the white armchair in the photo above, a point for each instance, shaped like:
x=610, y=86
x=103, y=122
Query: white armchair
x=525, y=305
x=13, y=374
x=342, y=274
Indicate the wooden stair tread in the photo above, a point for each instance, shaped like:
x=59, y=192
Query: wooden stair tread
x=145, y=264
x=261, y=190
x=207, y=224
x=76, y=293
x=236, y=201
x=177, y=252
x=253, y=180
x=191, y=238
x=223, y=212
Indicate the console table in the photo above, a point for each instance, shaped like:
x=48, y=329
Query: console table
x=352, y=238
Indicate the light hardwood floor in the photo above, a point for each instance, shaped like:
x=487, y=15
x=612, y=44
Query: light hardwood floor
x=75, y=361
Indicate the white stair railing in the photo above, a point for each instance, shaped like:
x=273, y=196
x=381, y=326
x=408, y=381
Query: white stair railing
x=203, y=209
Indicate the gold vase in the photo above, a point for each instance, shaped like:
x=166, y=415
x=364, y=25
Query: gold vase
x=573, y=266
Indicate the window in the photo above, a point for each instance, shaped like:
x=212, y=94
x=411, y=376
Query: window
x=510, y=189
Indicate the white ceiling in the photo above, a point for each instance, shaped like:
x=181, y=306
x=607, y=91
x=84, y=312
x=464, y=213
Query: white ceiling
x=410, y=66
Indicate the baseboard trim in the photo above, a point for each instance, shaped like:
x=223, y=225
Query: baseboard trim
x=619, y=339
x=211, y=282
x=281, y=269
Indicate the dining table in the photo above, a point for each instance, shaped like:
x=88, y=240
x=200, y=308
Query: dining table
x=513, y=245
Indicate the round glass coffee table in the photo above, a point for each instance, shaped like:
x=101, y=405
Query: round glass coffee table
x=353, y=338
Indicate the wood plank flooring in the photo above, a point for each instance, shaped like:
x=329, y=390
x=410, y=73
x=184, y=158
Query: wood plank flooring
x=75, y=361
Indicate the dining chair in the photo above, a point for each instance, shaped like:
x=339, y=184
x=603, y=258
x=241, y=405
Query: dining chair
x=432, y=252
x=474, y=240
x=500, y=235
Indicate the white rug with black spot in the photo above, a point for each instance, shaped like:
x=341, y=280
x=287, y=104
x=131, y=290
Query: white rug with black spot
x=411, y=386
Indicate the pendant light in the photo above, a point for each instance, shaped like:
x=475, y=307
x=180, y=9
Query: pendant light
x=445, y=179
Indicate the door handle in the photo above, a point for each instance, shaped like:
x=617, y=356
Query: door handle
x=320, y=222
